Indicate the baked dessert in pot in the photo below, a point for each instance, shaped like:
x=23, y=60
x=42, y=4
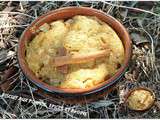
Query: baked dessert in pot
x=80, y=52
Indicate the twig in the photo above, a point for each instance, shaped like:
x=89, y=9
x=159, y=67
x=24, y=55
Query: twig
x=126, y=7
x=87, y=108
x=5, y=12
x=32, y=95
x=21, y=6
x=12, y=26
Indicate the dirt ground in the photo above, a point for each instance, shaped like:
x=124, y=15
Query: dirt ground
x=142, y=20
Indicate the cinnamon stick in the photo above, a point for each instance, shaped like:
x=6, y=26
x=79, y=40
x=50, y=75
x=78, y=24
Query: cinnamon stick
x=76, y=59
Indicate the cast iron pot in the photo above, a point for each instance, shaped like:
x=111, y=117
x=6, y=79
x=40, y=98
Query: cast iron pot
x=66, y=13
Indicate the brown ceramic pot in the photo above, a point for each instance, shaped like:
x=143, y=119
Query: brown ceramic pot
x=66, y=13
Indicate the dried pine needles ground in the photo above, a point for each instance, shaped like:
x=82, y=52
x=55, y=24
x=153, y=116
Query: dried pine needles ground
x=142, y=19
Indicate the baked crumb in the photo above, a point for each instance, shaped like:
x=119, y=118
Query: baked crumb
x=80, y=35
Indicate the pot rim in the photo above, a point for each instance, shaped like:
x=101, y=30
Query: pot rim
x=30, y=75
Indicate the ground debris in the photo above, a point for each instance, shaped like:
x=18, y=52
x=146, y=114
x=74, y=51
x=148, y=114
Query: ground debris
x=141, y=20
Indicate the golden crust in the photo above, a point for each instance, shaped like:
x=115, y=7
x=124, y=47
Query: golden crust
x=79, y=35
x=140, y=99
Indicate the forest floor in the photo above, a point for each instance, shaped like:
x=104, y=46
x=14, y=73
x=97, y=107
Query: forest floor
x=142, y=20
